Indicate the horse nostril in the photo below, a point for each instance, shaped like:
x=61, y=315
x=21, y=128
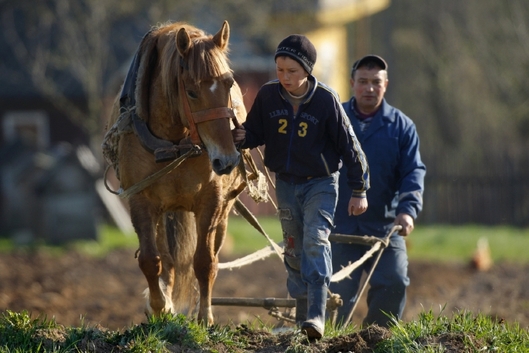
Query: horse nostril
x=221, y=168
x=216, y=164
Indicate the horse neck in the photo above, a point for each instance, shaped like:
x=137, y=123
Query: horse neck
x=164, y=122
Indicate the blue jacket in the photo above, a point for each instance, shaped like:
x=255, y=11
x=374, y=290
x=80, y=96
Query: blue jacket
x=391, y=144
x=311, y=143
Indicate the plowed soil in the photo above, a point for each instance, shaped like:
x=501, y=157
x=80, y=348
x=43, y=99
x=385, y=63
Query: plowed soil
x=75, y=289
x=109, y=291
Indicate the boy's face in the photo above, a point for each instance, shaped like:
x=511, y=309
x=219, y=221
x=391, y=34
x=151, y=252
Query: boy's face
x=291, y=74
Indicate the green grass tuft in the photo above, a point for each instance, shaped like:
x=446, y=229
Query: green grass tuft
x=464, y=331
x=472, y=333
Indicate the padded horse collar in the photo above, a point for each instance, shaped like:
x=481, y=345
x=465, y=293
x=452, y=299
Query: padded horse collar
x=163, y=150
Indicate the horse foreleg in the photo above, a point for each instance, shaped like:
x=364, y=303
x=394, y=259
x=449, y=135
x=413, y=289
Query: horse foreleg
x=150, y=261
x=165, y=249
x=206, y=264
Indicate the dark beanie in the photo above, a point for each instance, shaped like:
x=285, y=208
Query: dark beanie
x=299, y=48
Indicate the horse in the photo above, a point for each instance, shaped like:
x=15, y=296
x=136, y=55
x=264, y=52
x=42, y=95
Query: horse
x=180, y=95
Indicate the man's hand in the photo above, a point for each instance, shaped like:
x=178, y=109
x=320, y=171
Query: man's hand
x=357, y=206
x=407, y=223
x=238, y=134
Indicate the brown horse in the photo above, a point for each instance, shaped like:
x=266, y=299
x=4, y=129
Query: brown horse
x=183, y=96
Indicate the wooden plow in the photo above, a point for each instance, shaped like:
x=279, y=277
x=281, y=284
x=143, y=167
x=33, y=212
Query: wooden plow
x=334, y=301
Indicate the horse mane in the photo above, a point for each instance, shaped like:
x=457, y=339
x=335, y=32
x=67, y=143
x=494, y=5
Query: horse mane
x=204, y=60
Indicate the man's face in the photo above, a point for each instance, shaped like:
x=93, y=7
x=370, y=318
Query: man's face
x=369, y=87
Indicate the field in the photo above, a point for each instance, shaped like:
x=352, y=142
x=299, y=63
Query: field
x=76, y=288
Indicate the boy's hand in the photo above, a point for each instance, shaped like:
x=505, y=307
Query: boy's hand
x=238, y=134
x=357, y=206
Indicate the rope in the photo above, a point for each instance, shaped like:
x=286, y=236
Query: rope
x=266, y=170
x=385, y=242
x=153, y=177
x=258, y=194
x=248, y=259
x=255, y=223
x=347, y=270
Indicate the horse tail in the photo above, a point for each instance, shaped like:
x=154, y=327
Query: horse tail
x=182, y=241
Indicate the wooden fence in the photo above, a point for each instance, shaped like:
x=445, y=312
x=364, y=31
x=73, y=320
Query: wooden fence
x=479, y=200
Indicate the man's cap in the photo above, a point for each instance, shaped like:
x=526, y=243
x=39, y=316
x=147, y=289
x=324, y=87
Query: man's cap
x=370, y=60
x=299, y=48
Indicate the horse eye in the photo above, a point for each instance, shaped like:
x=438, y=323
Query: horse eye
x=230, y=82
x=191, y=94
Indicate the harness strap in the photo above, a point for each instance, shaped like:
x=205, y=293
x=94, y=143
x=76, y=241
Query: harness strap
x=134, y=189
x=193, y=132
x=212, y=114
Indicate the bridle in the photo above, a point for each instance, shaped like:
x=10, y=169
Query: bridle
x=194, y=118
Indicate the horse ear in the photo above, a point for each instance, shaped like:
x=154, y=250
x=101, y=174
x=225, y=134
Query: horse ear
x=222, y=36
x=183, y=42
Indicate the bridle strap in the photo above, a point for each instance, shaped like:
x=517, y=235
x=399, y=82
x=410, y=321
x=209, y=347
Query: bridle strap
x=194, y=118
x=195, y=138
x=212, y=114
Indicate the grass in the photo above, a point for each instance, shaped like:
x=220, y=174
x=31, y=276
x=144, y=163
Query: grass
x=109, y=238
x=476, y=333
x=247, y=239
x=19, y=332
x=457, y=243
x=463, y=332
x=445, y=243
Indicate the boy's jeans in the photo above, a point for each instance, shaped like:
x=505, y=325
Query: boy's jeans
x=306, y=212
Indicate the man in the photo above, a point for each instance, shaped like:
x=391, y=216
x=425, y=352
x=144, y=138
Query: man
x=391, y=144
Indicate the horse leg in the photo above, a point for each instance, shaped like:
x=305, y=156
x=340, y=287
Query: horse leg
x=206, y=260
x=165, y=245
x=182, y=239
x=145, y=221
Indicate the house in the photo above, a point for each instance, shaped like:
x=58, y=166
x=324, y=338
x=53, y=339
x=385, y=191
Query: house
x=48, y=195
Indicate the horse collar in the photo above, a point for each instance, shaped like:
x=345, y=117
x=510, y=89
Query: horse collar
x=163, y=150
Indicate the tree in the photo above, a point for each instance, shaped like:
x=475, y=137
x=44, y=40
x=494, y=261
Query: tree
x=64, y=47
x=459, y=73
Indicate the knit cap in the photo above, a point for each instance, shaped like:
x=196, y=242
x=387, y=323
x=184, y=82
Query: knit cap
x=299, y=48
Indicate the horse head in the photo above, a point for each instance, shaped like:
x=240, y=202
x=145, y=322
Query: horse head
x=183, y=90
x=205, y=84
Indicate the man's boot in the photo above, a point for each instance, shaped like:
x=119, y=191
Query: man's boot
x=301, y=311
x=315, y=325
